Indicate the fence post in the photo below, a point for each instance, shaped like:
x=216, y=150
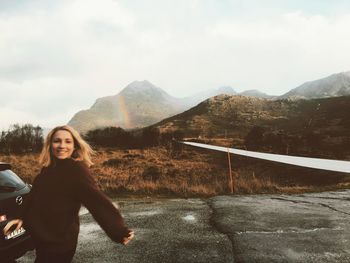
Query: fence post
x=230, y=171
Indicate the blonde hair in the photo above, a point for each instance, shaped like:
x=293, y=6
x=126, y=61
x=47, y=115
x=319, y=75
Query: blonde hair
x=82, y=150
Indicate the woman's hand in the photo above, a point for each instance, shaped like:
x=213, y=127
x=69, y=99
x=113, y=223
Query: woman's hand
x=128, y=238
x=13, y=222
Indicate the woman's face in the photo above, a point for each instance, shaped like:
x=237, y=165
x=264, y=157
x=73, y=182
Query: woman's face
x=62, y=144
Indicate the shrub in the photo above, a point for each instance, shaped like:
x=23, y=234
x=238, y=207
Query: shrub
x=21, y=139
x=151, y=173
x=173, y=172
x=113, y=162
x=140, y=156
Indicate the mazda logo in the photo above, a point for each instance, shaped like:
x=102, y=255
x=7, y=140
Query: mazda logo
x=19, y=200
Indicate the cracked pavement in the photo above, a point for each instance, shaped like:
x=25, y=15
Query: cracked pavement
x=166, y=230
x=254, y=228
x=286, y=228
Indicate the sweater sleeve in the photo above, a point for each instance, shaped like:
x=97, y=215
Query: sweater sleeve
x=27, y=202
x=99, y=205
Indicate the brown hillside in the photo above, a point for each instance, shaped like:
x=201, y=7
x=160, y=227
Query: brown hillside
x=318, y=127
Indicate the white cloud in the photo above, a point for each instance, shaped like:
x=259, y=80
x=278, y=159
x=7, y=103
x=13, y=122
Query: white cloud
x=284, y=50
x=12, y=116
x=80, y=12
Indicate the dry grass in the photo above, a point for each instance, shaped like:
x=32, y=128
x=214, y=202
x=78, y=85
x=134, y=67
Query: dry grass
x=154, y=171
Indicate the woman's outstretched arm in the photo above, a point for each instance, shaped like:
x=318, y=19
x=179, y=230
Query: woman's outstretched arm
x=100, y=206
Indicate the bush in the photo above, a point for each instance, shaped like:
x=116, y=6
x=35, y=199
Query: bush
x=111, y=137
x=132, y=156
x=151, y=173
x=113, y=162
x=254, y=138
x=173, y=172
x=21, y=139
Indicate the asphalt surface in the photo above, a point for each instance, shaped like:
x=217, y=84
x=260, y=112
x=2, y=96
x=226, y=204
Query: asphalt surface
x=286, y=228
x=167, y=230
x=254, y=228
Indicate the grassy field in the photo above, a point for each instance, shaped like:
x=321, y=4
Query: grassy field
x=191, y=172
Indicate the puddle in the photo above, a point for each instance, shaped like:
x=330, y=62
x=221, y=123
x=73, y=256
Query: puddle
x=333, y=256
x=195, y=201
x=280, y=231
x=294, y=255
x=89, y=230
x=191, y=201
x=190, y=218
x=144, y=213
x=176, y=200
x=83, y=211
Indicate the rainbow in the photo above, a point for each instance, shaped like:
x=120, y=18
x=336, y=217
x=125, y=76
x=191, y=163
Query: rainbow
x=123, y=113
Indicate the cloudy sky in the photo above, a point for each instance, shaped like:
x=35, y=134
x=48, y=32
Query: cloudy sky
x=58, y=57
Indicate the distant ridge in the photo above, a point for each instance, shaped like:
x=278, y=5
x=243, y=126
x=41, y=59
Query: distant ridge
x=332, y=86
x=256, y=94
x=235, y=116
x=141, y=103
x=138, y=105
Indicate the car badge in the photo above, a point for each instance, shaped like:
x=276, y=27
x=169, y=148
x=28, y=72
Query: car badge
x=3, y=218
x=19, y=200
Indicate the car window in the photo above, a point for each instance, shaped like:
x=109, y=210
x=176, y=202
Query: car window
x=9, y=179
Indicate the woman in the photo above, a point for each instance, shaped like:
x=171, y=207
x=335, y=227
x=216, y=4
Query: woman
x=51, y=213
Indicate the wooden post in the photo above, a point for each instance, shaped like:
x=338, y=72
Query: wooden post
x=230, y=172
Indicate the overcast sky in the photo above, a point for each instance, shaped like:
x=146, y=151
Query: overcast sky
x=57, y=57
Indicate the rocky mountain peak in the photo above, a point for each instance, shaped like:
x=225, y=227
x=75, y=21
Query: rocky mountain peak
x=226, y=90
x=334, y=85
x=141, y=86
x=139, y=104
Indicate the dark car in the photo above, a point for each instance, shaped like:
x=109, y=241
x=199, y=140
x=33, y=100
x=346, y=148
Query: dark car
x=13, y=193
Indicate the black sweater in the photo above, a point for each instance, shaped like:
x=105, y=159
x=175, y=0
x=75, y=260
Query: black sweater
x=51, y=212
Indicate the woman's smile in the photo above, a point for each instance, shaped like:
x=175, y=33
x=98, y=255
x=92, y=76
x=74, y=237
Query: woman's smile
x=62, y=144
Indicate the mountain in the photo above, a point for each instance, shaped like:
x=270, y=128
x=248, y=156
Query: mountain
x=256, y=93
x=320, y=124
x=139, y=104
x=332, y=86
x=233, y=113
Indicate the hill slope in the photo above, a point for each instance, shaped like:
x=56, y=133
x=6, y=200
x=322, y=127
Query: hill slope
x=137, y=105
x=318, y=125
x=332, y=86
